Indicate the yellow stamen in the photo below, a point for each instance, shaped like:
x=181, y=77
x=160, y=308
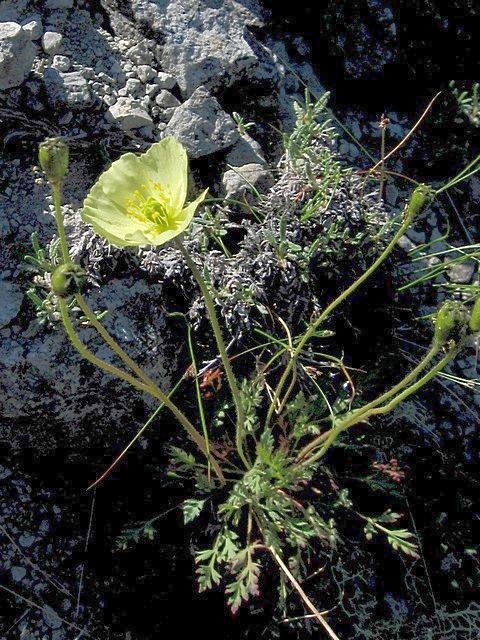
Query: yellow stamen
x=152, y=207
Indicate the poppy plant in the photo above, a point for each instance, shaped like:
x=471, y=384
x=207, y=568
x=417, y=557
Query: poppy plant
x=140, y=199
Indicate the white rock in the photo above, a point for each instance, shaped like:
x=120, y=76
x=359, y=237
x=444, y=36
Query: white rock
x=61, y=63
x=164, y=80
x=152, y=90
x=145, y=72
x=238, y=182
x=140, y=54
x=245, y=151
x=202, y=126
x=134, y=87
x=33, y=29
x=461, y=273
x=129, y=114
x=17, y=54
x=66, y=89
x=51, y=41
x=165, y=99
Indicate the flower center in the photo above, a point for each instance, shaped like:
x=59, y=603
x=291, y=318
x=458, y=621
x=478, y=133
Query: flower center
x=152, y=207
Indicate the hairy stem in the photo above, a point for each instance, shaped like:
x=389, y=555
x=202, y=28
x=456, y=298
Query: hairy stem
x=355, y=417
x=57, y=190
x=382, y=398
x=331, y=307
x=239, y=433
x=153, y=390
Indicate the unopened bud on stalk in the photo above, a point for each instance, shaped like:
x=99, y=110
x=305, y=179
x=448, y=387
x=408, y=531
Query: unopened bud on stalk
x=474, y=322
x=67, y=279
x=53, y=158
x=450, y=323
x=421, y=197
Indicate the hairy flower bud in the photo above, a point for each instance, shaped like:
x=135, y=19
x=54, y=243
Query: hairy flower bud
x=474, y=322
x=53, y=158
x=67, y=279
x=421, y=197
x=450, y=323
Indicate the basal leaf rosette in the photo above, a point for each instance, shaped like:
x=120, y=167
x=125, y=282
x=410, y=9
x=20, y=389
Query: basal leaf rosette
x=140, y=199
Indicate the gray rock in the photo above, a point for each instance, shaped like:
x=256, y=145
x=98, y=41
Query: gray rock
x=165, y=99
x=461, y=273
x=18, y=573
x=134, y=87
x=245, y=151
x=164, y=80
x=206, y=43
x=391, y=193
x=66, y=89
x=17, y=54
x=51, y=42
x=58, y=4
x=141, y=54
x=11, y=297
x=416, y=236
x=202, y=126
x=61, y=63
x=10, y=10
x=51, y=618
x=33, y=28
x=145, y=72
x=26, y=540
x=129, y=114
x=244, y=180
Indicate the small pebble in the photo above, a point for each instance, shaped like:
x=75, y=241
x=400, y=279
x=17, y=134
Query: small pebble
x=51, y=42
x=61, y=63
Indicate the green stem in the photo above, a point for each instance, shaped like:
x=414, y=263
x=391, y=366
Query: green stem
x=382, y=162
x=222, y=351
x=56, y=190
x=352, y=420
x=199, y=395
x=147, y=383
x=112, y=343
x=382, y=398
x=153, y=390
x=331, y=307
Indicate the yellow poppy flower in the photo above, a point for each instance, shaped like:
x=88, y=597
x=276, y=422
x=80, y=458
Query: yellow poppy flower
x=140, y=199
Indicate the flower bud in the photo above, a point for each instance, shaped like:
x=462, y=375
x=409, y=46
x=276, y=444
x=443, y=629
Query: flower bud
x=474, y=322
x=67, y=279
x=53, y=158
x=421, y=197
x=450, y=323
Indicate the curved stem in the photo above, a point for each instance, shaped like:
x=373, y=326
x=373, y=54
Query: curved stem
x=153, y=390
x=382, y=398
x=331, y=307
x=112, y=343
x=147, y=384
x=221, y=349
x=352, y=420
x=198, y=391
